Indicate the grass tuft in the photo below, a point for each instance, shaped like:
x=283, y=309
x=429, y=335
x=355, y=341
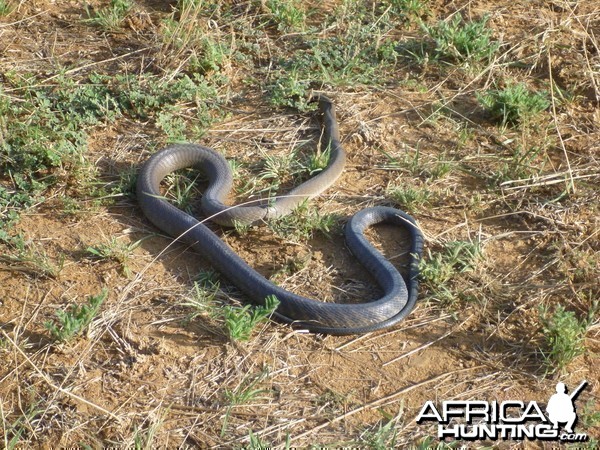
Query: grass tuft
x=303, y=223
x=6, y=7
x=115, y=250
x=463, y=42
x=240, y=321
x=515, y=104
x=288, y=15
x=409, y=198
x=564, y=336
x=110, y=17
x=440, y=269
x=76, y=319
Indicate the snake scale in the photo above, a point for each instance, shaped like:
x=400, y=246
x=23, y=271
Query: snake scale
x=399, y=293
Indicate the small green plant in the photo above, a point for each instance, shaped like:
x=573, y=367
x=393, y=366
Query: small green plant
x=564, y=336
x=291, y=88
x=382, y=438
x=431, y=443
x=317, y=161
x=115, y=250
x=410, y=198
x=515, y=104
x=76, y=319
x=439, y=169
x=463, y=42
x=204, y=295
x=182, y=190
x=286, y=14
x=15, y=432
x=362, y=52
x=590, y=415
x=110, y=17
x=521, y=164
x=211, y=56
x=25, y=256
x=408, y=8
x=456, y=257
x=244, y=393
x=303, y=223
x=5, y=7
x=185, y=39
x=439, y=269
x=144, y=435
x=240, y=321
x=277, y=167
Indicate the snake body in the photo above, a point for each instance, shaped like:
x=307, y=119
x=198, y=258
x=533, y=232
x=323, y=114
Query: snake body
x=399, y=296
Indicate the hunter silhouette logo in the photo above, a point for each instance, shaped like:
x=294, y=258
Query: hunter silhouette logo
x=511, y=419
x=561, y=408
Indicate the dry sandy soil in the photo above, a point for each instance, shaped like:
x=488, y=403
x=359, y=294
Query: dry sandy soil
x=147, y=375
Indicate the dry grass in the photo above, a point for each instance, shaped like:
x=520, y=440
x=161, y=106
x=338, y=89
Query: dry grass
x=144, y=374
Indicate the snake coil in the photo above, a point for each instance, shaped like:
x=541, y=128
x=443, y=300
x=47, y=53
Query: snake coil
x=399, y=293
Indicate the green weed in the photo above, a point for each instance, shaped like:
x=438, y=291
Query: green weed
x=184, y=40
x=361, y=53
x=204, y=295
x=456, y=257
x=24, y=256
x=144, y=435
x=515, y=104
x=244, y=393
x=564, y=336
x=76, y=319
x=463, y=42
x=590, y=415
x=291, y=88
x=521, y=164
x=45, y=133
x=407, y=8
x=15, y=432
x=211, y=56
x=115, y=250
x=49, y=127
x=439, y=269
x=382, y=438
x=112, y=16
x=303, y=223
x=409, y=198
x=317, y=161
x=439, y=169
x=5, y=7
x=416, y=165
x=288, y=15
x=12, y=202
x=182, y=188
x=240, y=321
x=278, y=167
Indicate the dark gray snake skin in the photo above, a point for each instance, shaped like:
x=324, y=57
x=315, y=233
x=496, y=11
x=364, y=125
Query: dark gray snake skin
x=399, y=296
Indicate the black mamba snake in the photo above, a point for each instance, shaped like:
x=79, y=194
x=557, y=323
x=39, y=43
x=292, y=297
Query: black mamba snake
x=399, y=296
